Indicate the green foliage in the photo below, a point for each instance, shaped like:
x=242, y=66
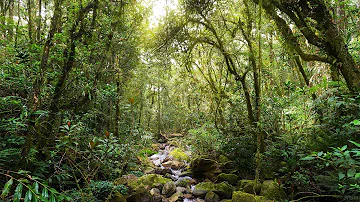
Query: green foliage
x=102, y=190
x=35, y=188
x=205, y=140
x=338, y=170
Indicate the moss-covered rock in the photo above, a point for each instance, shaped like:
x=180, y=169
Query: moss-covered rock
x=150, y=180
x=223, y=159
x=203, y=168
x=118, y=197
x=203, y=188
x=271, y=190
x=239, y=196
x=140, y=193
x=212, y=197
x=231, y=178
x=185, y=182
x=250, y=186
x=222, y=189
x=169, y=189
x=180, y=155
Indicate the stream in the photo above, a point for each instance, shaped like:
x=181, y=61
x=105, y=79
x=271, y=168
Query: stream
x=161, y=158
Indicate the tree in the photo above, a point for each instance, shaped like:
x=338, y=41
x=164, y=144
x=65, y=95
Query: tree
x=318, y=26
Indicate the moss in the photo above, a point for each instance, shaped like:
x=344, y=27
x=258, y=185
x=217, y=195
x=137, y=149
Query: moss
x=231, y=178
x=150, y=180
x=249, y=186
x=212, y=197
x=239, y=196
x=223, y=159
x=178, y=154
x=271, y=190
x=118, y=198
x=223, y=189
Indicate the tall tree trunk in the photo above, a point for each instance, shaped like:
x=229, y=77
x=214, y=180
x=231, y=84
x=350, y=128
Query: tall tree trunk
x=30, y=21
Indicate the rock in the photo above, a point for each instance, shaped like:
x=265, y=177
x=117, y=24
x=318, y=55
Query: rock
x=203, y=168
x=170, y=176
x=223, y=159
x=188, y=196
x=181, y=189
x=118, y=197
x=271, y=190
x=175, y=197
x=250, y=186
x=186, y=174
x=226, y=200
x=239, y=196
x=199, y=200
x=185, y=182
x=176, y=165
x=179, y=155
x=150, y=180
x=169, y=189
x=212, y=197
x=162, y=171
x=125, y=179
x=140, y=193
x=203, y=188
x=222, y=189
x=149, y=170
x=155, y=195
x=231, y=178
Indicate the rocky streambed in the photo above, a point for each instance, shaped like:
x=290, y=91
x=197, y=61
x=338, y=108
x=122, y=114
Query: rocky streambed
x=174, y=176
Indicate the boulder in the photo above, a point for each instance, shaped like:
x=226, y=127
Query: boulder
x=239, y=196
x=270, y=189
x=179, y=155
x=181, y=189
x=203, y=168
x=176, y=165
x=250, y=186
x=126, y=179
x=175, y=197
x=162, y=171
x=118, y=197
x=222, y=189
x=231, y=178
x=150, y=181
x=155, y=195
x=140, y=193
x=185, y=182
x=188, y=196
x=169, y=189
x=203, y=188
x=212, y=197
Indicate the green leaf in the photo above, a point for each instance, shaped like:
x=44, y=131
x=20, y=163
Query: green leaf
x=355, y=143
x=341, y=176
x=28, y=196
x=45, y=193
x=343, y=148
x=18, y=192
x=308, y=158
x=356, y=122
x=351, y=172
x=52, y=198
x=320, y=153
x=357, y=175
x=23, y=172
x=36, y=187
x=24, y=180
x=7, y=188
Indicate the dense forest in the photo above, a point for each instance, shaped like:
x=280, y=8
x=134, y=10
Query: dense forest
x=188, y=100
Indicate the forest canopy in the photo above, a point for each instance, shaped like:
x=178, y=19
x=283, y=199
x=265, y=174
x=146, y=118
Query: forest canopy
x=121, y=100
